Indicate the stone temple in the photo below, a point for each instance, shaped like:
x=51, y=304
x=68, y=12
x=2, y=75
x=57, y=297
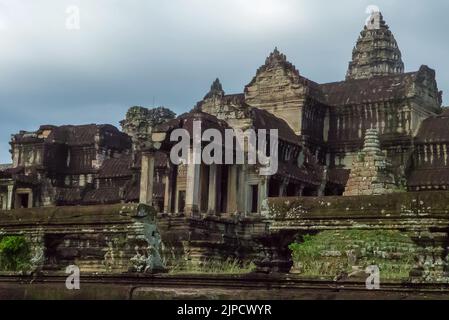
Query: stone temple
x=381, y=130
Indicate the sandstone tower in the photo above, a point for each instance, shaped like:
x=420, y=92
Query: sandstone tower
x=376, y=52
x=371, y=173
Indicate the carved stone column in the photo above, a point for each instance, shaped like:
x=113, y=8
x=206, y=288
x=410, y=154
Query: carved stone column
x=10, y=197
x=169, y=191
x=147, y=178
x=243, y=190
x=193, y=187
x=213, y=185
x=232, y=189
x=263, y=192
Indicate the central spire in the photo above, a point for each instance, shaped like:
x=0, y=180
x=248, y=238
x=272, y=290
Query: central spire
x=376, y=22
x=376, y=52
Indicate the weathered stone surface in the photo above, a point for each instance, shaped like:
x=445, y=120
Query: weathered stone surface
x=376, y=52
x=424, y=216
x=371, y=171
x=98, y=239
x=140, y=121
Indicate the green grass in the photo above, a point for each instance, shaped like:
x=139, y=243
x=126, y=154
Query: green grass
x=328, y=253
x=229, y=266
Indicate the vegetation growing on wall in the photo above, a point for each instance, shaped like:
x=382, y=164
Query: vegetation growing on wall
x=332, y=253
x=14, y=253
x=229, y=266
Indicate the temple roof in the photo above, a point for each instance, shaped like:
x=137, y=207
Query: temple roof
x=428, y=177
x=116, y=168
x=368, y=90
x=87, y=134
x=265, y=120
x=186, y=121
x=376, y=52
x=276, y=60
x=434, y=129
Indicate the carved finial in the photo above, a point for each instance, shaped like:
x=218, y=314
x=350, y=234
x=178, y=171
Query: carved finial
x=275, y=58
x=376, y=21
x=216, y=90
x=216, y=85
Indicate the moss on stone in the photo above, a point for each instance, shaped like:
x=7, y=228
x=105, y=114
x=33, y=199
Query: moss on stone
x=332, y=253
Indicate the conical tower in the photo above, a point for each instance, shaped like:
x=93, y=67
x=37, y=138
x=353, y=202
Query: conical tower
x=371, y=171
x=376, y=52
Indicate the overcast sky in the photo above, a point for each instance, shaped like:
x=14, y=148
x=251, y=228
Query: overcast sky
x=137, y=52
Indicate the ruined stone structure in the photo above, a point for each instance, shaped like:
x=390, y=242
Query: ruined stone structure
x=57, y=165
x=139, y=123
x=371, y=137
x=422, y=216
x=87, y=164
x=113, y=239
x=370, y=174
x=321, y=128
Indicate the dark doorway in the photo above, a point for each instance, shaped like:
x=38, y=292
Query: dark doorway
x=291, y=190
x=310, y=192
x=23, y=200
x=273, y=188
x=254, y=198
x=334, y=190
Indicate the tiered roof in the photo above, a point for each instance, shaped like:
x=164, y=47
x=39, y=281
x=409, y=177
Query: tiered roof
x=376, y=52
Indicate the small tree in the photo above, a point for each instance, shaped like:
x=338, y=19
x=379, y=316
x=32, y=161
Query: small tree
x=14, y=253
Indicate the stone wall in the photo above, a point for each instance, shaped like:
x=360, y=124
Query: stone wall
x=130, y=238
x=424, y=217
x=347, y=253
x=98, y=239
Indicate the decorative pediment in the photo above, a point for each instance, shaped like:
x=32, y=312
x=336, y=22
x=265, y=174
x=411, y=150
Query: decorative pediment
x=277, y=79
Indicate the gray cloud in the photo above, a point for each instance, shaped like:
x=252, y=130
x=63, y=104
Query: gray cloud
x=135, y=52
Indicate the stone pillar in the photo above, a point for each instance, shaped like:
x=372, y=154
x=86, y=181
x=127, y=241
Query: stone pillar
x=232, y=189
x=4, y=198
x=242, y=190
x=168, y=193
x=10, y=196
x=193, y=187
x=30, y=199
x=263, y=193
x=147, y=178
x=213, y=185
